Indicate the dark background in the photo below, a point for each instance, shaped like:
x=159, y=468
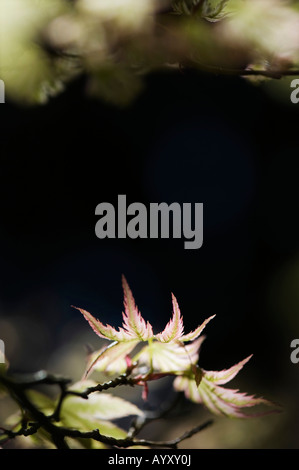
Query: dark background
x=187, y=138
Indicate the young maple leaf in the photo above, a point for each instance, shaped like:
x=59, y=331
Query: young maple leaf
x=134, y=326
x=220, y=400
x=167, y=354
x=164, y=352
x=174, y=329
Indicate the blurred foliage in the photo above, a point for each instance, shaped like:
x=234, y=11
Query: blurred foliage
x=115, y=43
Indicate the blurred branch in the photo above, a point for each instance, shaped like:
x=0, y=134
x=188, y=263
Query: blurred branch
x=238, y=72
x=268, y=73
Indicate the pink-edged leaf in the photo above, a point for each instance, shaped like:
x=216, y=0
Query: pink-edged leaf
x=186, y=384
x=111, y=359
x=195, y=334
x=133, y=323
x=229, y=402
x=174, y=328
x=105, y=331
x=223, y=376
x=220, y=400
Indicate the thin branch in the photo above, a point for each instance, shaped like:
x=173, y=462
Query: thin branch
x=139, y=422
x=268, y=73
x=123, y=379
x=214, y=69
x=26, y=429
x=16, y=390
x=129, y=442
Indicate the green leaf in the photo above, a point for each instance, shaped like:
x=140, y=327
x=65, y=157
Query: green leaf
x=99, y=405
x=28, y=73
x=96, y=411
x=41, y=401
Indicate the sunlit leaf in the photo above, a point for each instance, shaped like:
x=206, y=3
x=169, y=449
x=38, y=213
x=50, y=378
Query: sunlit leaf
x=164, y=352
x=170, y=352
x=105, y=331
x=174, y=328
x=169, y=357
x=111, y=358
x=195, y=334
x=226, y=375
x=133, y=321
x=220, y=400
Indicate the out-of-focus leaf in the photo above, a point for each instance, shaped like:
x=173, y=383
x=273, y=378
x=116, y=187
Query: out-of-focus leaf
x=41, y=401
x=96, y=411
x=28, y=73
x=70, y=418
x=269, y=28
x=116, y=84
x=98, y=406
x=128, y=14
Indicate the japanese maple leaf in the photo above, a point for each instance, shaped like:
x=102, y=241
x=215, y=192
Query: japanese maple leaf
x=164, y=352
x=170, y=352
x=220, y=400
